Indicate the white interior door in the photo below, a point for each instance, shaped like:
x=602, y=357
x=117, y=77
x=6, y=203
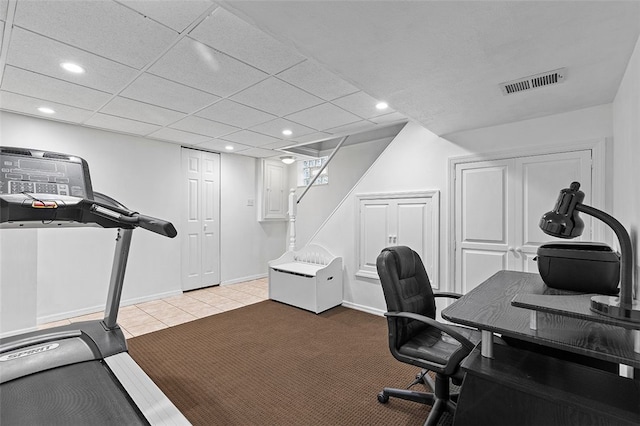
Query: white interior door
x=498, y=205
x=541, y=178
x=484, y=233
x=201, y=219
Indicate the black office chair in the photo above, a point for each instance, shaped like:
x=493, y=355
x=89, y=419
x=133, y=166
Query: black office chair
x=415, y=337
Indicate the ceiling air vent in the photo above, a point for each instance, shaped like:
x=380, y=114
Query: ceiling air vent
x=533, y=81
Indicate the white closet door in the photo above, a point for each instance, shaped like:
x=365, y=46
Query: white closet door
x=484, y=203
x=541, y=178
x=201, y=219
x=498, y=205
x=375, y=219
x=210, y=219
x=417, y=227
x=394, y=219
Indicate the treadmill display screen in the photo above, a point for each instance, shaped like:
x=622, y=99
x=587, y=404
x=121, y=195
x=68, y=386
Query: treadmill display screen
x=39, y=172
x=45, y=166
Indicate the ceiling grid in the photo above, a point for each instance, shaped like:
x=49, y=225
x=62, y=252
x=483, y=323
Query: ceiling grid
x=190, y=73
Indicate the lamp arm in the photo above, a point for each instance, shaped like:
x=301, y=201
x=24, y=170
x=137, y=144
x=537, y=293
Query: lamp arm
x=626, y=251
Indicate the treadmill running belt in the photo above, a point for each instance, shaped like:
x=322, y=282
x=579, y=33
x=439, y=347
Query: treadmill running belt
x=78, y=394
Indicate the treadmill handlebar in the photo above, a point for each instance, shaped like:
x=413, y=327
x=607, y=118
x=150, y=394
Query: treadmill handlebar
x=158, y=226
x=47, y=209
x=125, y=217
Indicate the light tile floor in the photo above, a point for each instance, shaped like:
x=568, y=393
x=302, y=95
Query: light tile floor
x=135, y=320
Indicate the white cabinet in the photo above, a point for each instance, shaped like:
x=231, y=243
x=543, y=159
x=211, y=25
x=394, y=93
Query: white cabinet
x=393, y=219
x=272, y=191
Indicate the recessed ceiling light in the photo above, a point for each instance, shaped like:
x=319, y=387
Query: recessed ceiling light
x=46, y=110
x=229, y=147
x=382, y=105
x=71, y=67
x=287, y=132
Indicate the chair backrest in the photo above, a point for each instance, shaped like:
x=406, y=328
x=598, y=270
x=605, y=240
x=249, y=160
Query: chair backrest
x=406, y=288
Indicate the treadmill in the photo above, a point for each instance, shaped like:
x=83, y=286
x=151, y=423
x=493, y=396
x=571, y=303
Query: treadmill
x=78, y=374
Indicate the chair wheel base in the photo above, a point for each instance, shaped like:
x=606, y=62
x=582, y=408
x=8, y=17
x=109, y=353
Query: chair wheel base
x=382, y=398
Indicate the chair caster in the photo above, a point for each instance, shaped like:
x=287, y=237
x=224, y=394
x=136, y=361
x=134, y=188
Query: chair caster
x=382, y=398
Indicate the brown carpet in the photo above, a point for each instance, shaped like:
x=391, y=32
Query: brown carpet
x=273, y=364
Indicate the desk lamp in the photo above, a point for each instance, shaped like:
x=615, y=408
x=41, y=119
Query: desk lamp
x=563, y=222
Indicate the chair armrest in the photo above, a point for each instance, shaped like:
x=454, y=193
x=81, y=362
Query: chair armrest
x=466, y=343
x=447, y=294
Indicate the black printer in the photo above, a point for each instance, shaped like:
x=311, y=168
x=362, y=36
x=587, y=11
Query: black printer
x=585, y=267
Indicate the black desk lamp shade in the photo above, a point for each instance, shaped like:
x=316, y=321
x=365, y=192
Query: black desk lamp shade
x=564, y=222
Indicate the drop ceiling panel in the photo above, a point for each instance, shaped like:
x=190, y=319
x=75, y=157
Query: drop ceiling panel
x=247, y=137
x=276, y=145
x=311, y=137
x=127, y=108
x=168, y=94
x=361, y=104
x=39, y=86
x=179, y=136
x=235, y=114
x=258, y=152
x=175, y=14
x=314, y=79
x=220, y=145
x=277, y=97
x=359, y=126
x=194, y=64
x=28, y=105
x=324, y=117
x=3, y=9
x=231, y=35
x=119, y=124
x=105, y=28
x=44, y=55
x=388, y=118
x=203, y=126
x=275, y=127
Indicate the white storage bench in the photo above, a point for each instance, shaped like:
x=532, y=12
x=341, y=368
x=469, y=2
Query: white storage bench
x=309, y=278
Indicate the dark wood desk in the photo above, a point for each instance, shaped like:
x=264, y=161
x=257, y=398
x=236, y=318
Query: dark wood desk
x=509, y=385
x=488, y=308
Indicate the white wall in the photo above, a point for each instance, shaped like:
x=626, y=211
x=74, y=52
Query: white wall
x=626, y=154
x=417, y=159
x=345, y=169
x=246, y=245
x=72, y=266
x=18, y=306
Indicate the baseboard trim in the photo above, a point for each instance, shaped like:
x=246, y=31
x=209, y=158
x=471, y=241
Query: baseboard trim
x=243, y=279
x=100, y=308
x=363, y=308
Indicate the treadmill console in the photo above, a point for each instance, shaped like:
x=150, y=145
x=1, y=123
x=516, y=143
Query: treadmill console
x=40, y=172
x=47, y=189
